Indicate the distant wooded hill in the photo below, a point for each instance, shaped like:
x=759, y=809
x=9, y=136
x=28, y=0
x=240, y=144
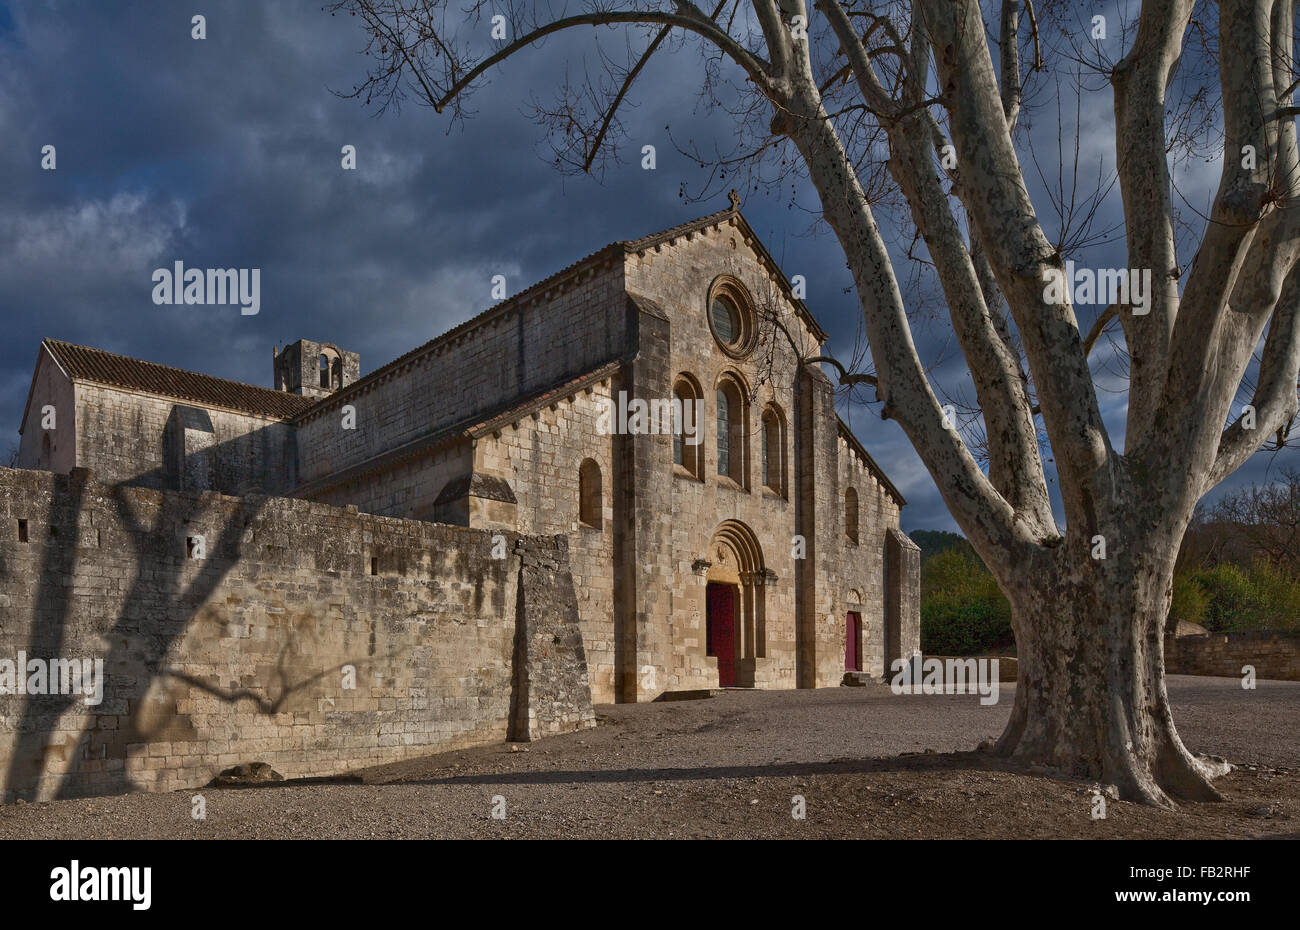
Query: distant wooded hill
x=932, y=542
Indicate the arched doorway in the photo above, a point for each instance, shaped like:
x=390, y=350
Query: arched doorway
x=735, y=632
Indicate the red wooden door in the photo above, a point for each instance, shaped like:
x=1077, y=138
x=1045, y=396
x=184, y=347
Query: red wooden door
x=722, y=630
x=852, y=631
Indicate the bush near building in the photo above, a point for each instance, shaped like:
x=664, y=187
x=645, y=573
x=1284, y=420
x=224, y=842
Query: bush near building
x=962, y=610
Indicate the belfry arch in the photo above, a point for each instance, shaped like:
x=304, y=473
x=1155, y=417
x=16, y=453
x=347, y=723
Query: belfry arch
x=735, y=604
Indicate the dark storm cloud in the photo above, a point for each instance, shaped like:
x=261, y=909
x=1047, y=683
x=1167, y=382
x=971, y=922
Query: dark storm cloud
x=225, y=153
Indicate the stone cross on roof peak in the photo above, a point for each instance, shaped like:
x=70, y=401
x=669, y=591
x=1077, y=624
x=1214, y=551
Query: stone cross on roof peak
x=734, y=196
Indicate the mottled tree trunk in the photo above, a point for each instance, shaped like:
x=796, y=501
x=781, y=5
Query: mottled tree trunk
x=1090, y=696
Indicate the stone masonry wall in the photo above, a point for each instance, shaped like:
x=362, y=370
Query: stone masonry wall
x=50, y=387
x=902, y=596
x=567, y=331
x=244, y=649
x=407, y=489
x=681, y=513
x=127, y=437
x=1273, y=653
x=552, y=691
x=862, y=564
x=539, y=455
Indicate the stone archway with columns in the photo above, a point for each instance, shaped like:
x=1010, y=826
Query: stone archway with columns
x=735, y=559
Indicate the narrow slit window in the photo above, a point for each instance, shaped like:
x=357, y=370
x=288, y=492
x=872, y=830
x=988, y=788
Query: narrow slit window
x=851, y=515
x=773, y=451
x=590, y=495
x=724, y=434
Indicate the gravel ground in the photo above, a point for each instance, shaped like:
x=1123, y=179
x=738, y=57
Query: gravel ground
x=867, y=763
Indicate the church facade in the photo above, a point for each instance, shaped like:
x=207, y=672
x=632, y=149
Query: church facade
x=653, y=403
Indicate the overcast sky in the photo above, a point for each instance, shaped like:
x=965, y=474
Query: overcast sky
x=225, y=153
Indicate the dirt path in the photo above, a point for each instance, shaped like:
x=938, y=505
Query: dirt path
x=866, y=762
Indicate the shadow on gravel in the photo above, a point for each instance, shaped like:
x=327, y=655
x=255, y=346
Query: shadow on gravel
x=911, y=762
x=288, y=783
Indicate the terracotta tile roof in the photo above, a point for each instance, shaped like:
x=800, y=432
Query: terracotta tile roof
x=87, y=364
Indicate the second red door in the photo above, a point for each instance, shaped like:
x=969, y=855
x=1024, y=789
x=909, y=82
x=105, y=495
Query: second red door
x=852, y=634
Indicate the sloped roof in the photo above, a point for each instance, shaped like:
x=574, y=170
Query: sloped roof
x=540, y=398
x=649, y=242
x=87, y=364
x=473, y=427
x=609, y=252
x=99, y=366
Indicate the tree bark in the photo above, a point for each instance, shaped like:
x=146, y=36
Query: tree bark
x=1090, y=698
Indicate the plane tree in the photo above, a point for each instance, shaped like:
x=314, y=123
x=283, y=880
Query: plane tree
x=921, y=100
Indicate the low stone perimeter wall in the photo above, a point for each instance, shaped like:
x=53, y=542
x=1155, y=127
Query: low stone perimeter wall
x=1273, y=653
x=196, y=632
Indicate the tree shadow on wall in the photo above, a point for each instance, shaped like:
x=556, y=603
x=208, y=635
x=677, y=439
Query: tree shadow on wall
x=157, y=608
x=34, y=737
x=158, y=605
x=156, y=612
x=264, y=703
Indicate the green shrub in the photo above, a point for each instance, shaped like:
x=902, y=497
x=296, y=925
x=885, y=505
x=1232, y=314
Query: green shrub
x=1260, y=598
x=963, y=612
x=1277, y=596
x=1190, y=602
x=1228, y=597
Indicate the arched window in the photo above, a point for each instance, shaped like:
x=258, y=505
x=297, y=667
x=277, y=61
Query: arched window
x=774, y=450
x=732, y=431
x=851, y=515
x=331, y=369
x=590, y=504
x=724, y=433
x=688, y=426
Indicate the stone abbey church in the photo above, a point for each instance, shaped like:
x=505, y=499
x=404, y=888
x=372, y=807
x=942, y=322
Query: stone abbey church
x=755, y=545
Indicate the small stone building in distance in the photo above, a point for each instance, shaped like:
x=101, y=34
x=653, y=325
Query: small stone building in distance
x=761, y=551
